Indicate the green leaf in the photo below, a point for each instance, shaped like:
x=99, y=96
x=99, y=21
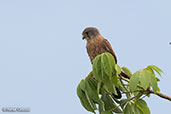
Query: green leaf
x=128, y=109
x=91, y=102
x=109, y=67
x=106, y=112
x=157, y=69
x=106, y=64
x=153, y=80
x=134, y=81
x=150, y=70
x=109, y=104
x=82, y=85
x=142, y=105
x=97, y=68
x=145, y=79
x=112, y=60
x=114, y=80
x=104, y=71
x=91, y=89
x=127, y=71
x=136, y=110
x=154, y=84
x=118, y=69
x=108, y=85
x=83, y=99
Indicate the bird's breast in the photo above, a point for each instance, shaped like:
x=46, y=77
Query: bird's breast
x=95, y=48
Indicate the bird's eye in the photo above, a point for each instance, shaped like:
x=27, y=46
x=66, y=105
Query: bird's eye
x=86, y=33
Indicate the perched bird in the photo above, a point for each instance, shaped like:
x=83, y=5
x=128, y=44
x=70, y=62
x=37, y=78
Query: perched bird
x=97, y=44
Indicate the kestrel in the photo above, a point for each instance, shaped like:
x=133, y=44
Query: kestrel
x=97, y=44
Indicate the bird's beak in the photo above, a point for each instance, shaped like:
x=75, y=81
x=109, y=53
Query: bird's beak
x=84, y=36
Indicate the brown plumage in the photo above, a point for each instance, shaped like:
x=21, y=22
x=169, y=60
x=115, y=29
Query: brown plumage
x=96, y=45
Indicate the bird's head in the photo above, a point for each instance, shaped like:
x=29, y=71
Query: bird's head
x=90, y=33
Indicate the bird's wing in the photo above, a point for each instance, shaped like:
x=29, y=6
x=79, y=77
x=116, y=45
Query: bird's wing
x=109, y=49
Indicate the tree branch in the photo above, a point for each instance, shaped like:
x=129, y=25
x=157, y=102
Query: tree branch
x=161, y=95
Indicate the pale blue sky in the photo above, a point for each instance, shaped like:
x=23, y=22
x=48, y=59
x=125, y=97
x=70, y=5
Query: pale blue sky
x=43, y=58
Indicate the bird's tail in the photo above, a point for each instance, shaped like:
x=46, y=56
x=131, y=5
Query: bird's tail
x=119, y=95
x=124, y=75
